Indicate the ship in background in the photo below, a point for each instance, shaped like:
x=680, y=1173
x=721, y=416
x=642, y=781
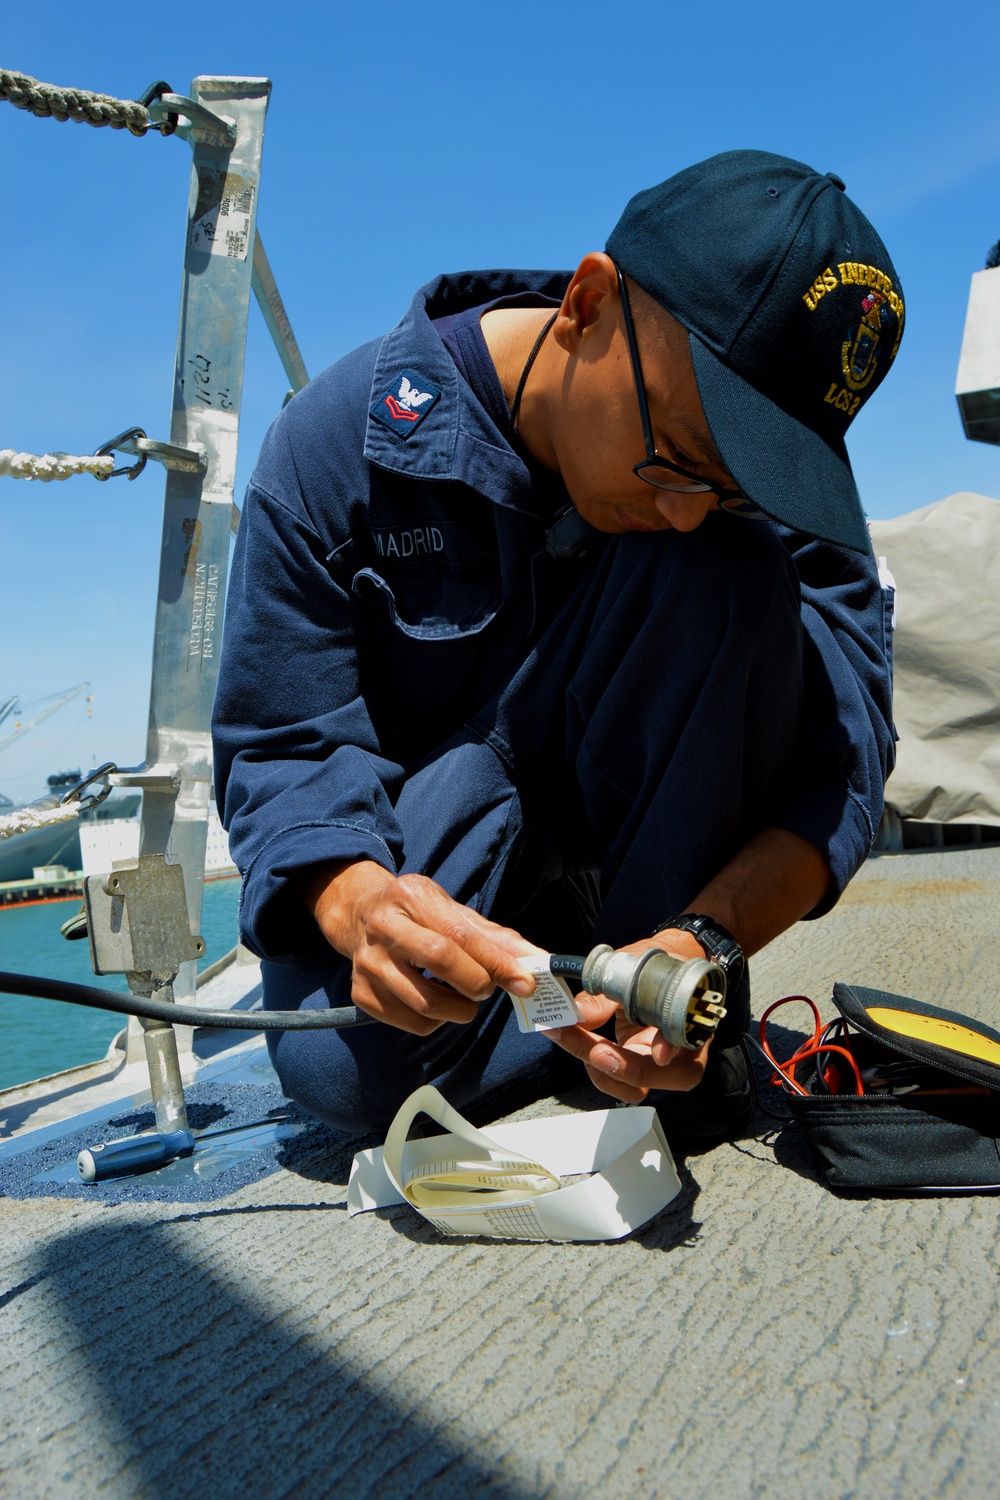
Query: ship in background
x=104, y=833
x=90, y=843
x=60, y=843
x=116, y=836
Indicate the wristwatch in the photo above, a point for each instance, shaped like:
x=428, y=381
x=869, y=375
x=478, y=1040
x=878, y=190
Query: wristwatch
x=718, y=942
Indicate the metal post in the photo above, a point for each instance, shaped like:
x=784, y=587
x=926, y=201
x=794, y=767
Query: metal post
x=208, y=378
x=165, y=1085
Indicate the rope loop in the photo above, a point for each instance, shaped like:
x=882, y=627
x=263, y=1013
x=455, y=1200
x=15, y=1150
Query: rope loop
x=49, y=101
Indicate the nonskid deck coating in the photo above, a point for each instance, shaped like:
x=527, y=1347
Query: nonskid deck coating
x=761, y=1338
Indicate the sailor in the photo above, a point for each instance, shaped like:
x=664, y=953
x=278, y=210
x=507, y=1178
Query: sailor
x=553, y=620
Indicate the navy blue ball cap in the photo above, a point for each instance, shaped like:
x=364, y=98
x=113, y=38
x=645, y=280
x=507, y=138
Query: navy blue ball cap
x=794, y=313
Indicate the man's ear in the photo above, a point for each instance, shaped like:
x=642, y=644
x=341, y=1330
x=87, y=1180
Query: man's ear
x=589, y=311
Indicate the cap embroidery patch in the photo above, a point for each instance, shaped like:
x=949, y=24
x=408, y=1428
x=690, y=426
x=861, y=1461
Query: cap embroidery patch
x=858, y=356
x=866, y=339
x=405, y=404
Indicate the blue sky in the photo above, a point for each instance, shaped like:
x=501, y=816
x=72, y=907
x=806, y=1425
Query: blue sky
x=405, y=140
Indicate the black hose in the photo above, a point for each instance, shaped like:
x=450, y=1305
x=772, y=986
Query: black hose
x=181, y=1015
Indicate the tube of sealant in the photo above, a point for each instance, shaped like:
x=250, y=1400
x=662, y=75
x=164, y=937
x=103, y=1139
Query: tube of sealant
x=136, y=1153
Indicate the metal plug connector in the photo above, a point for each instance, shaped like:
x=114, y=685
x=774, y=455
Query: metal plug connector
x=683, y=997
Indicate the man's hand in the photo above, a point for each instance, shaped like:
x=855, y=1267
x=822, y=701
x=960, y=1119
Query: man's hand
x=776, y=878
x=398, y=930
x=639, y=1059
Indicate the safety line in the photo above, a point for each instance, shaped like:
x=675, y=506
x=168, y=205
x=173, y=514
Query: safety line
x=49, y=466
x=49, y=101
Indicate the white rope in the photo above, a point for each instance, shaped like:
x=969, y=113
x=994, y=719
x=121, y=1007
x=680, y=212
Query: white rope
x=48, y=466
x=81, y=105
x=36, y=815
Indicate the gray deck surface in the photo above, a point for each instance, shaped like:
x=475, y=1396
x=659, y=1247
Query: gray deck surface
x=761, y=1338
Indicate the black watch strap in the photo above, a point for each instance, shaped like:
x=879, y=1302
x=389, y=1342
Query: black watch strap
x=717, y=941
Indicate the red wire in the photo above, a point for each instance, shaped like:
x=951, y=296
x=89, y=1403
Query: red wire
x=823, y=1048
x=780, y=1067
x=785, y=1071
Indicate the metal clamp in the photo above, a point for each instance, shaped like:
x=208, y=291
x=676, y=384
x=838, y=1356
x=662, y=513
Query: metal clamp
x=171, y=455
x=197, y=124
x=103, y=773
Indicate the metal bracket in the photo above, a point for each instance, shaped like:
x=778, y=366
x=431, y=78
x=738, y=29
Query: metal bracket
x=137, y=920
x=134, y=441
x=156, y=778
x=170, y=455
x=197, y=124
x=137, y=925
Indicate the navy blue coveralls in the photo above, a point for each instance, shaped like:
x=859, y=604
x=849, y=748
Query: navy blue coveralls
x=570, y=747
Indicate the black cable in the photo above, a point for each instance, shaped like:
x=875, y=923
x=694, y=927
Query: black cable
x=746, y=1042
x=570, y=965
x=835, y=1033
x=181, y=1015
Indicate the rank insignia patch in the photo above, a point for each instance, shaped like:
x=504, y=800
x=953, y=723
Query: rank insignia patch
x=405, y=404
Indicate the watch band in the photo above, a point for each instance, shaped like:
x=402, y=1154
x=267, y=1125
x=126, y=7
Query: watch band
x=718, y=942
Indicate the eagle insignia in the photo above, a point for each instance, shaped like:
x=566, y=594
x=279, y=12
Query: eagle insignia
x=405, y=404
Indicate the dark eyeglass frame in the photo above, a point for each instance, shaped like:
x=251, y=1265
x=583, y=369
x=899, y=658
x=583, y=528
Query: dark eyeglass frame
x=733, y=502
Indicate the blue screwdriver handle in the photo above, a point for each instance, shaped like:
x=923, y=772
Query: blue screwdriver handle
x=136, y=1153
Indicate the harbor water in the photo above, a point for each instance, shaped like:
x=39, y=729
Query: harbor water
x=45, y=1036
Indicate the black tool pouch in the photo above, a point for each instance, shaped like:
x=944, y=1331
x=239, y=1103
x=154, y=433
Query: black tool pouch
x=943, y=1135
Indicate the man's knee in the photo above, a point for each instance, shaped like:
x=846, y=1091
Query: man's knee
x=354, y=1095
x=354, y=1079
